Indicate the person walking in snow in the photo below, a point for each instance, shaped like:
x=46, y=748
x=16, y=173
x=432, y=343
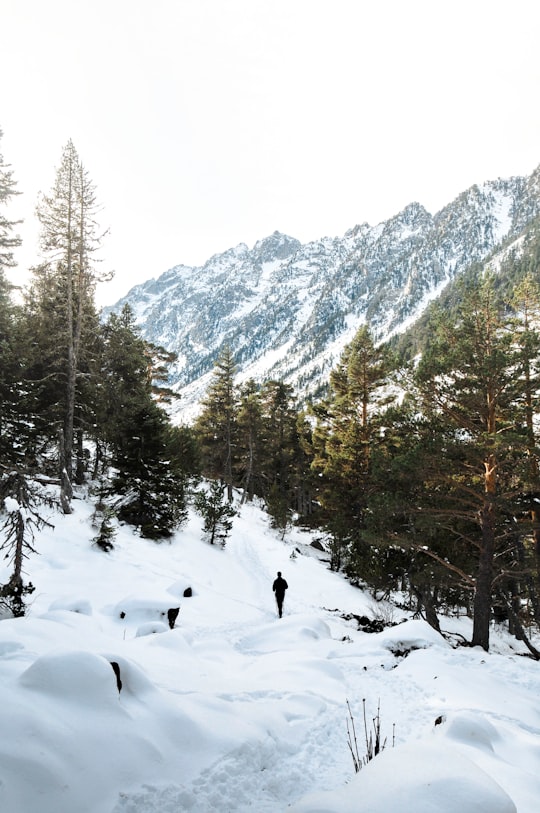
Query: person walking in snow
x=279, y=587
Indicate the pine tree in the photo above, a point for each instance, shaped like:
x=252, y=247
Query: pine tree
x=217, y=513
x=304, y=478
x=345, y=434
x=9, y=377
x=280, y=445
x=526, y=304
x=216, y=426
x=62, y=298
x=249, y=441
x=8, y=241
x=407, y=512
x=469, y=378
x=134, y=435
x=10, y=425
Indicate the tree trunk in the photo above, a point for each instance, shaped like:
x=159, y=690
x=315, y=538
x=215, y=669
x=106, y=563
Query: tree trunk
x=248, y=479
x=484, y=579
x=425, y=600
x=66, y=488
x=80, y=466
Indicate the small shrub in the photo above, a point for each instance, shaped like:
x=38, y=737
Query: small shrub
x=104, y=539
x=216, y=512
x=373, y=742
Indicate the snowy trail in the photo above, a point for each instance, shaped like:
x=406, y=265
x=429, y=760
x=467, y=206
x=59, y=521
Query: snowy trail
x=236, y=710
x=302, y=710
x=302, y=674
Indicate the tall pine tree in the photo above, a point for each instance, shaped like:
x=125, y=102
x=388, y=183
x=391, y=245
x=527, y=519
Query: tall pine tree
x=8, y=240
x=10, y=360
x=470, y=380
x=152, y=460
x=62, y=297
x=216, y=426
x=346, y=431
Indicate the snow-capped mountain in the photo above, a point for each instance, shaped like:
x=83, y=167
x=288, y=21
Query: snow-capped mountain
x=288, y=309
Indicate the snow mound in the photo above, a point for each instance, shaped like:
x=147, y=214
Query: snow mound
x=411, y=635
x=287, y=634
x=424, y=777
x=77, y=676
x=136, y=608
x=471, y=729
x=73, y=605
x=151, y=628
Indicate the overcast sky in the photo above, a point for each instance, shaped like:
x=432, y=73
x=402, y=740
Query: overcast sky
x=206, y=123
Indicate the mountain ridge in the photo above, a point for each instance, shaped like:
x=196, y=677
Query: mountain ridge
x=287, y=309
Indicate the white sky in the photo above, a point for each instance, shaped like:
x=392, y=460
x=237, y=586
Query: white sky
x=205, y=123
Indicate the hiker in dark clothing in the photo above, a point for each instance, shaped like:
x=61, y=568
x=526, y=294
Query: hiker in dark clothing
x=279, y=587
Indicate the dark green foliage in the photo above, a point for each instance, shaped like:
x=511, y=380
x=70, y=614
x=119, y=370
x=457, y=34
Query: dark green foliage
x=469, y=375
x=106, y=532
x=280, y=451
x=12, y=420
x=453, y=475
x=346, y=435
x=216, y=511
x=8, y=241
x=437, y=497
x=250, y=443
x=135, y=436
x=62, y=315
x=216, y=426
x=15, y=426
x=278, y=506
x=66, y=380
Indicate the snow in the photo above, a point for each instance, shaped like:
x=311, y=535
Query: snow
x=234, y=709
x=11, y=506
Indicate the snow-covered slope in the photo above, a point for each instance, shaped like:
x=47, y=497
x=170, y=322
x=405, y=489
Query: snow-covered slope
x=288, y=309
x=236, y=710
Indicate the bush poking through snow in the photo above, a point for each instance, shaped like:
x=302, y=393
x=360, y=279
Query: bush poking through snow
x=104, y=539
x=374, y=744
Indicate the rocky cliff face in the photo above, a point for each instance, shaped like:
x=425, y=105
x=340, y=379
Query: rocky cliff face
x=288, y=309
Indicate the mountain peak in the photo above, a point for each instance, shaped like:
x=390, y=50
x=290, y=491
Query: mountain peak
x=276, y=246
x=287, y=310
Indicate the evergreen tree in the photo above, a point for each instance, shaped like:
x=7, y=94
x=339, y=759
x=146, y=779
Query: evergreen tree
x=8, y=241
x=62, y=298
x=124, y=386
x=249, y=441
x=346, y=432
x=134, y=435
x=216, y=426
x=10, y=424
x=407, y=513
x=280, y=446
x=470, y=379
x=9, y=377
x=304, y=478
x=526, y=303
x=216, y=511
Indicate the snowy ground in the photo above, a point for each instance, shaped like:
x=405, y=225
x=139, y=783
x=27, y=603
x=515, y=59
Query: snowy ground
x=237, y=710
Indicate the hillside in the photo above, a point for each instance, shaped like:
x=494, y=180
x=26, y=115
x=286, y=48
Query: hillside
x=287, y=309
x=234, y=709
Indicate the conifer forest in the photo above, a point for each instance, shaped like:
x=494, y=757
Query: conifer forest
x=419, y=468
